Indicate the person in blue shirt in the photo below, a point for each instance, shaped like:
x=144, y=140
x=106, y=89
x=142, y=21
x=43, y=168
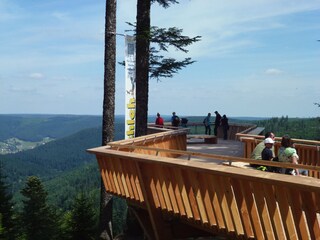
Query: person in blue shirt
x=207, y=124
x=175, y=120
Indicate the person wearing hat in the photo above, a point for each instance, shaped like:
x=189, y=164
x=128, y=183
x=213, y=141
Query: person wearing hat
x=217, y=123
x=256, y=153
x=267, y=153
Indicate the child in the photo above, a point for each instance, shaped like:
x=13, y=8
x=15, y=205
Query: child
x=267, y=154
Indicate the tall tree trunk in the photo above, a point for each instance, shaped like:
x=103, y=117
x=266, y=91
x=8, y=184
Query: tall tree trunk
x=108, y=110
x=142, y=89
x=142, y=66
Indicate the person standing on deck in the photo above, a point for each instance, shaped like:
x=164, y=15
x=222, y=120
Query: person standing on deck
x=225, y=126
x=159, y=121
x=175, y=120
x=207, y=124
x=217, y=123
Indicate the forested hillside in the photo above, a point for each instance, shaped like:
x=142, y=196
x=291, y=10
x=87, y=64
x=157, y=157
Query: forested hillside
x=63, y=164
x=303, y=128
x=36, y=127
x=52, y=159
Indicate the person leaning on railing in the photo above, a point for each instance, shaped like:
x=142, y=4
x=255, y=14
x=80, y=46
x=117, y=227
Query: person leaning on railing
x=159, y=121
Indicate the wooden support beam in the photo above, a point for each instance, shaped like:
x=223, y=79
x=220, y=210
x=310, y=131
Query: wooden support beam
x=160, y=230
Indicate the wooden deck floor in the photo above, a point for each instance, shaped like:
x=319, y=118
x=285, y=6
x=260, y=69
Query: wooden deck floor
x=223, y=147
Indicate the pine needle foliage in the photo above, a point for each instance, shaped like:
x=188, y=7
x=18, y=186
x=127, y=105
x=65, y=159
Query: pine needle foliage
x=38, y=218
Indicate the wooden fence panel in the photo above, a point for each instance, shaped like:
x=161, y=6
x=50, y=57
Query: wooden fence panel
x=309, y=154
x=246, y=207
x=241, y=203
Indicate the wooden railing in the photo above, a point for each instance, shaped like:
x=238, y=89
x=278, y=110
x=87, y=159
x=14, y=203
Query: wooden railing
x=308, y=150
x=218, y=199
x=198, y=128
x=168, y=139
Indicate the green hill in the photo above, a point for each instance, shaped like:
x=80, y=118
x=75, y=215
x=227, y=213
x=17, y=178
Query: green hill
x=34, y=128
x=63, y=165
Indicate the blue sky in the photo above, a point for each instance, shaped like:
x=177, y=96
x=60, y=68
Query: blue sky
x=256, y=58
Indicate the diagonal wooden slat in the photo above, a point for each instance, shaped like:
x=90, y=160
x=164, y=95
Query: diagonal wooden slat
x=122, y=177
x=116, y=176
x=164, y=188
x=248, y=193
x=126, y=172
x=191, y=195
x=286, y=212
x=207, y=199
x=199, y=195
x=295, y=202
x=213, y=193
x=309, y=205
x=132, y=174
x=103, y=170
x=171, y=183
x=109, y=171
x=177, y=191
x=232, y=205
x=243, y=209
x=274, y=211
x=221, y=194
x=263, y=210
x=183, y=192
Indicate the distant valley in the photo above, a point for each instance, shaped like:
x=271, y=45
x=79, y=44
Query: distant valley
x=14, y=145
x=53, y=148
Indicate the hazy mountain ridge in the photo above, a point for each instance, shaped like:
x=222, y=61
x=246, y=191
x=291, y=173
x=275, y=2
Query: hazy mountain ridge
x=34, y=128
x=50, y=160
x=60, y=161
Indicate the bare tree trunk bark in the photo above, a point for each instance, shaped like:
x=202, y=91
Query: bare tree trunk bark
x=106, y=200
x=142, y=66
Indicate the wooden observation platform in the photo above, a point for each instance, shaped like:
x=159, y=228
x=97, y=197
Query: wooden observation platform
x=178, y=193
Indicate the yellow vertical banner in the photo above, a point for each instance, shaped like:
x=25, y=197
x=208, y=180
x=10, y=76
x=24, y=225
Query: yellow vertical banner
x=130, y=86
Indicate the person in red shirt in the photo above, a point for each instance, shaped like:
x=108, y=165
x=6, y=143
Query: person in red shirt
x=159, y=121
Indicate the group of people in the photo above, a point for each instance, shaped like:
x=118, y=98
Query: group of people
x=286, y=153
x=175, y=120
x=219, y=121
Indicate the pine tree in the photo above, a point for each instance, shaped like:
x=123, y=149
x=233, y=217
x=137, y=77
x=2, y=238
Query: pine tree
x=38, y=218
x=83, y=224
x=148, y=59
x=6, y=209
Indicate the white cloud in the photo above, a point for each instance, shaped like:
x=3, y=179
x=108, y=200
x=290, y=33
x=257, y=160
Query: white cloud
x=36, y=75
x=273, y=71
x=60, y=16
